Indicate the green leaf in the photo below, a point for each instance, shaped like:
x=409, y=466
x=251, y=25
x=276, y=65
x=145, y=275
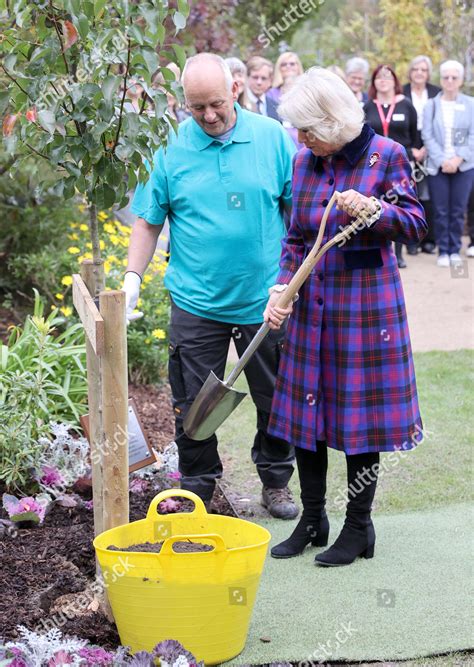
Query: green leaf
x=161, y=103
x=98, y=7
x=110, y=86
x=151, y=59
x=104, y=196
x=179, y=20
x=4, y=99
x=160, y=33
x=10, y=62
x=77, y=152
x=47, y=120
x=136, y=34
x=183, y=7
x=180, y=55
x=83, y=25
x=72, y=169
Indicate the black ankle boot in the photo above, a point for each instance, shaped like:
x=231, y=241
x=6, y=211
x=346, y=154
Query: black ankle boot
x=313, y=527
x=357, y=538
x=308, y=531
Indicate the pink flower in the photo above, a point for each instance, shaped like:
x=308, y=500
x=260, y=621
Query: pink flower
x=25, y=509
x=96, y=656
x=60, y=658
x=139, y=486
x=169, y=506
x=174, y=475
x=50, y=476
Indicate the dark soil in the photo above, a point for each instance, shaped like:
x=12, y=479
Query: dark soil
x=156, y=413
x=45, y=571
x=155, y=547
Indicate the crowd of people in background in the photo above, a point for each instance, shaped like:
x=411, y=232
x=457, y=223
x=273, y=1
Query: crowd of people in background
x=434, y=124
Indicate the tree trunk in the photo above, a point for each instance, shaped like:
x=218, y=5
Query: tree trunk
x=99, y=280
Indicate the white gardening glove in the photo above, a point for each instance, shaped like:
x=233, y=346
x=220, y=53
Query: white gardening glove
x=131, y=287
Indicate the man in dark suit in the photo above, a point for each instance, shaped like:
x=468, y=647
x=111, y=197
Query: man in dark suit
x=419, y=91
x=259, y=79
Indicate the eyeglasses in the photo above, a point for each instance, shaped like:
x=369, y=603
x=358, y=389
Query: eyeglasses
x=450, y=77
x=420, y=69
x=289, y=63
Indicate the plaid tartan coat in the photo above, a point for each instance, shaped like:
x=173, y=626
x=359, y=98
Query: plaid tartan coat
x=346, y=373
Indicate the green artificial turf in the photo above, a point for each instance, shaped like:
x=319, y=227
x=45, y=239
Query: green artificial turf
x=413, y=599
x=437, y=473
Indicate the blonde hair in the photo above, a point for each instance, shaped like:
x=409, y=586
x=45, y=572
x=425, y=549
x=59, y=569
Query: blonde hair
x=283, y=57
x=323, y=103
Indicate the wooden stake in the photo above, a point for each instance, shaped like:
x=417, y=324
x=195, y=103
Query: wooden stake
x=89, y=273
x=115, y=409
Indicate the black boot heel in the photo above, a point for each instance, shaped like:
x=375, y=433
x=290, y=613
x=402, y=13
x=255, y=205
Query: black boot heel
x=369, y=552
x=322, y=538
x=314, y=532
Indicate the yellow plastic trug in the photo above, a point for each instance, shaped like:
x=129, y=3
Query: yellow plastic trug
x=202, y=599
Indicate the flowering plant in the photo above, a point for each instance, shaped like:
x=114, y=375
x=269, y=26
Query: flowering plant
x=52, y=649
x=148, y=337
x=25, y=509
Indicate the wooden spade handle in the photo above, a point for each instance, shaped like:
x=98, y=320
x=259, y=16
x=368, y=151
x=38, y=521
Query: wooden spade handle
x=298, y=279
x=310, y=260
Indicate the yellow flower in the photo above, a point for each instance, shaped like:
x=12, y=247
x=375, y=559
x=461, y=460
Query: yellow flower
x=89, y=245
x=66, y=311
x=124, y=262
x=73, y=225
x=140, y=303
x=110, y=229
x=148, y=341
x=101, y=245
x=114, y=239
x=102, y=216
x=73, y=237
x=73, y=250
x=107, y=266
x=147, y=279
x=86, y=255
x=83, y=228
x=159, y=334
x=82, y=208
x=113, y=260
x=66, y=280
x=59, y=297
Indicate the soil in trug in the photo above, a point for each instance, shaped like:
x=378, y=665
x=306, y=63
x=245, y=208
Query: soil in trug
x=155, y=547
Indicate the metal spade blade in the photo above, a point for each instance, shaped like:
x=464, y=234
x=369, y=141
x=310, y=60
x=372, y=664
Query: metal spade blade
x=210, y=408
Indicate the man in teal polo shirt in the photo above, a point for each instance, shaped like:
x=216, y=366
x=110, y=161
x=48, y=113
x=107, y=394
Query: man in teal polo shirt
x=224, y=183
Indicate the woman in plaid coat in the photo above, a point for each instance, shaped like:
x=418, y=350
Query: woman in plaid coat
x=346, y=378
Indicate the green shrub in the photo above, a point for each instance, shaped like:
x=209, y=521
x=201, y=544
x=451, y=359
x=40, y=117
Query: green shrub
x=42, y=379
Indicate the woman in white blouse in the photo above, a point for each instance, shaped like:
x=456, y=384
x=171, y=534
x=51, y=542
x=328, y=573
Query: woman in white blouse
x=448, y=135
x=419, y=90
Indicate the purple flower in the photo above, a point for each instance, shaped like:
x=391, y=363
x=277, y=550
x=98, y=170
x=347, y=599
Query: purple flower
x=143, y=659
x=17, y=661
x=96, y=656
x=139, y=485
x=169, y=506
x=50, y=476
x=60, y=658
x=88, y=504
x=169, y=650
x=174, y=475
x=25, y=509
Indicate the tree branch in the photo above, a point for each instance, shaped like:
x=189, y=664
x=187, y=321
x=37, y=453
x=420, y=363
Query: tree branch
x=127, y=67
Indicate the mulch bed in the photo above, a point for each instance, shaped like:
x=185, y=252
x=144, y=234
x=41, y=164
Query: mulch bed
x=44, y=567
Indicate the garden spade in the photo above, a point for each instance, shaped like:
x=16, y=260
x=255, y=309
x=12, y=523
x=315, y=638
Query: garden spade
x=217, y=399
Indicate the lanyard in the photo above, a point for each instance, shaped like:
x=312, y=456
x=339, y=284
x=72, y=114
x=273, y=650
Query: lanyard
x=385, y=120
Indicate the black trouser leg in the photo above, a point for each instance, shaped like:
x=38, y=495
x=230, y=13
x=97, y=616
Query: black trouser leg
x=273, y=457
x=197, y=346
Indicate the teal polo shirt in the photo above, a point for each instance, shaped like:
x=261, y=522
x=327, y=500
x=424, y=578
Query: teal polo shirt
x=224, y=202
